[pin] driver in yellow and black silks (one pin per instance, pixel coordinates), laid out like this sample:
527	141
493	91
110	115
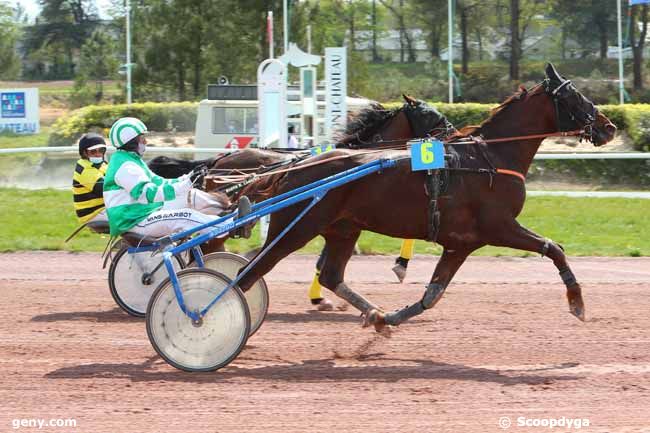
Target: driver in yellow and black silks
88	179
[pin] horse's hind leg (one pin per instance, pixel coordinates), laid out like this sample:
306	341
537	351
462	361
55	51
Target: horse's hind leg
448	265
340	241
521	238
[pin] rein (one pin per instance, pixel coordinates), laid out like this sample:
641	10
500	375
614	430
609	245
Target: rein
249	178
242	180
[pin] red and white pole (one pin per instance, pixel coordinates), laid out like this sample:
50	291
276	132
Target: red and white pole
269	32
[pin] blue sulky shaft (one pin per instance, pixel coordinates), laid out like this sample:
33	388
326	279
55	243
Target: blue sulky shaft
314	191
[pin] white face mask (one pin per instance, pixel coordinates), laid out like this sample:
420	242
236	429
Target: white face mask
141	148
96	159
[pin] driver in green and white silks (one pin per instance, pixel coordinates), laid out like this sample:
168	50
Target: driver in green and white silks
141	202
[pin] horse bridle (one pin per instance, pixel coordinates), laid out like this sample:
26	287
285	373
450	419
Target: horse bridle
581	118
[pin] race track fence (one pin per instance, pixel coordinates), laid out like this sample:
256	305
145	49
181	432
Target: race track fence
68	150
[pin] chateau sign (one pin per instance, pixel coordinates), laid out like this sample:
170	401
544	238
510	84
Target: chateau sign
336	89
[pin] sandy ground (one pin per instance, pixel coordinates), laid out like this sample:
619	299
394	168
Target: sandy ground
500	344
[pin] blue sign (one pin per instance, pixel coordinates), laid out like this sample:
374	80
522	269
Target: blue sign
322	149
427	155
639	2
12	105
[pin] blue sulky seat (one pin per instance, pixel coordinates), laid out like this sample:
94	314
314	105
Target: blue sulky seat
133	239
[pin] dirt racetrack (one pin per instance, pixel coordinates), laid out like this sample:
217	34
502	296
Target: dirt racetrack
500	344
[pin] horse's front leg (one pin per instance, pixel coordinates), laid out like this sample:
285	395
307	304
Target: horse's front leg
521	238
448	265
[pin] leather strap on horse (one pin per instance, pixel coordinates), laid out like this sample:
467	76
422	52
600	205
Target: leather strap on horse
432	188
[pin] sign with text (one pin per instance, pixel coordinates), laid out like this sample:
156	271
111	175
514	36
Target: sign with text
19	111
336	89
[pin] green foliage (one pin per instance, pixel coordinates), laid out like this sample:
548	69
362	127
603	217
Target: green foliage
461	115
9	32
62	27
637	118
611	174
632	118
97	62
157	117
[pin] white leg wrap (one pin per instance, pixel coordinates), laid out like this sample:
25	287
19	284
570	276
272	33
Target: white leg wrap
354	299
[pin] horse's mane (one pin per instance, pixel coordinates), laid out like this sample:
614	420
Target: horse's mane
476	129
364	122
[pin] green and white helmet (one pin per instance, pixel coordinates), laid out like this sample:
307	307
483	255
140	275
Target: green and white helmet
125	130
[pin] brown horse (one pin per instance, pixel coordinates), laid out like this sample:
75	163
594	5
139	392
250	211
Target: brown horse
483	198
370	128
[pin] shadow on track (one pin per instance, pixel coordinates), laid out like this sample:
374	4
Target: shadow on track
314	371
114	315
319	316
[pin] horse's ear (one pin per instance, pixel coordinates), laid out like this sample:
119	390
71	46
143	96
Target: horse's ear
412	102
552	74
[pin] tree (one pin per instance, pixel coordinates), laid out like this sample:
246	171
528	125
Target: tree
522	13
466	10
60	30
432	15
375	55
638	16
515	40
97	61
579	19
399	12
9	32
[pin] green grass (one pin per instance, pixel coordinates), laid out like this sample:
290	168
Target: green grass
9	140
41	220
16	163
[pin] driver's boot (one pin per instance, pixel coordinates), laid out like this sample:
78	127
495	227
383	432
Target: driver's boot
243	208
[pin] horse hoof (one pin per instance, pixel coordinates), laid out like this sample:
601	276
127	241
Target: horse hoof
576	305
325	305
579	312
386	331
400	272
376	318
370	317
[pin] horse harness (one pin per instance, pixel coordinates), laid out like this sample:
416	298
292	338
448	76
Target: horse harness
233	188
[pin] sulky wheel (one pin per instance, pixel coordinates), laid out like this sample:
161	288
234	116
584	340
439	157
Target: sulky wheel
211	343
132	279
257	297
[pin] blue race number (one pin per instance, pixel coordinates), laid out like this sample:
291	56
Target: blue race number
427	155
322	149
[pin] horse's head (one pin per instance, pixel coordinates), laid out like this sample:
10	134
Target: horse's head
573	111
425	120
376	127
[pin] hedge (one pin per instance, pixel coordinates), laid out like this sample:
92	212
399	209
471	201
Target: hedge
181	116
